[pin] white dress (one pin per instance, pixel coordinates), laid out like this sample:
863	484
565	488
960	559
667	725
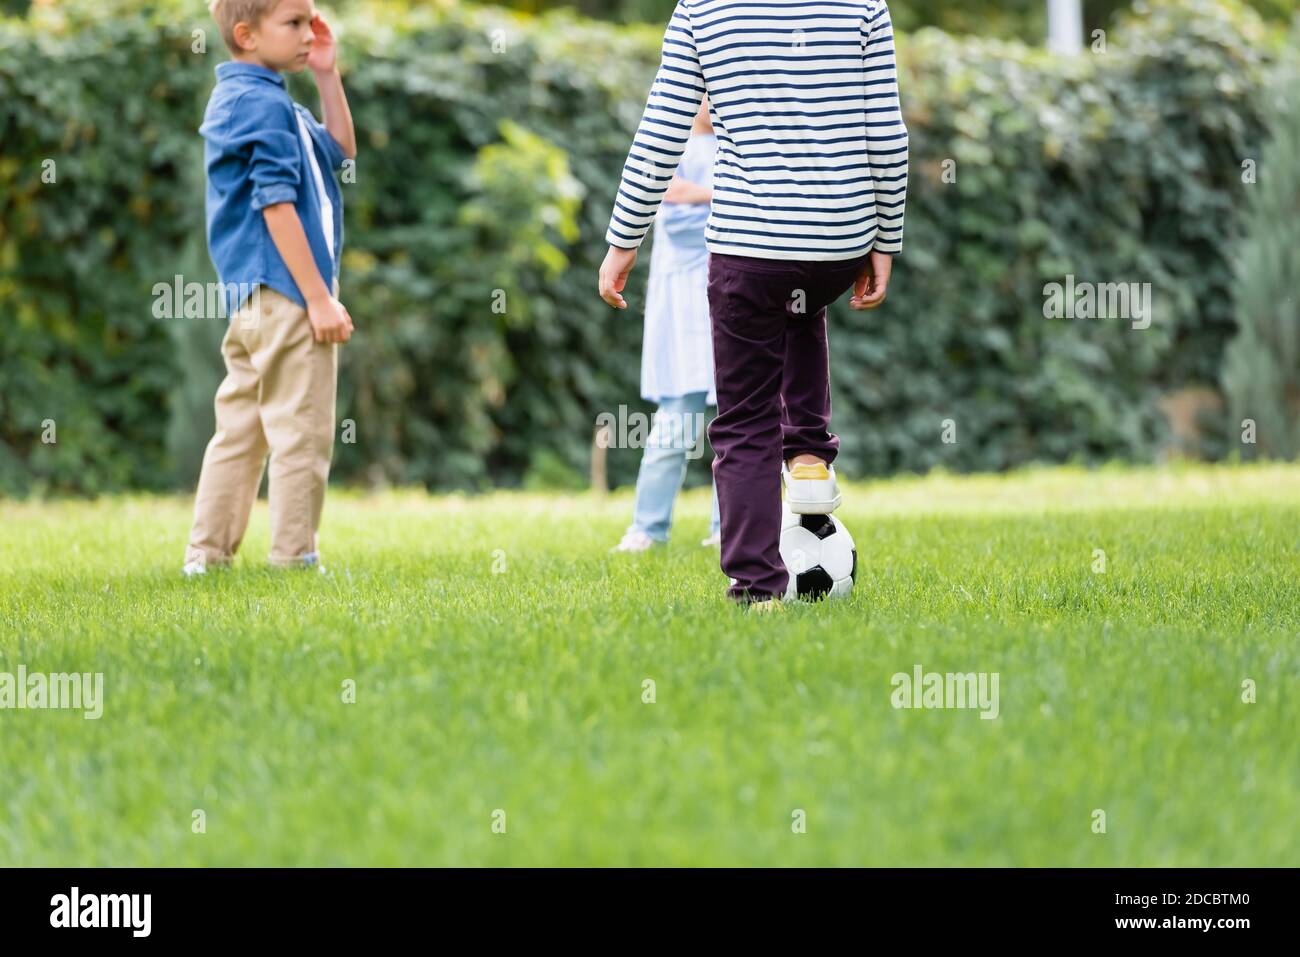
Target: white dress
677	351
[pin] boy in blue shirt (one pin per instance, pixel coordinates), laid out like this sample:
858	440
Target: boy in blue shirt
274	223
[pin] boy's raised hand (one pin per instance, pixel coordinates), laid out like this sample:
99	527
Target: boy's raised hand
870	286
613	275
323	53
330	320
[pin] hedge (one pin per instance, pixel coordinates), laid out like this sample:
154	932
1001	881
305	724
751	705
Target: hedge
490	147
1261	367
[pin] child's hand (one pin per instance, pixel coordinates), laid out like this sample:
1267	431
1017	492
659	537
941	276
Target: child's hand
330	321
323	53
613	275
870	286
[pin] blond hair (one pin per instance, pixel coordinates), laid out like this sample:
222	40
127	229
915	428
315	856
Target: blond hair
229	12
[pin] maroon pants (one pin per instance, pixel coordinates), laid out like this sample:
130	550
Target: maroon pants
772	373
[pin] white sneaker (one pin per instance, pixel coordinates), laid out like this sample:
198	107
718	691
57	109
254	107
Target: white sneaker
811	489
195	567
635	541
713	541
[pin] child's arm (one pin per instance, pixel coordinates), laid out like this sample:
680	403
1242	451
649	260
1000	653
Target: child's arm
887	149
656	152
333	101
687	193
661	138
329	320
887	144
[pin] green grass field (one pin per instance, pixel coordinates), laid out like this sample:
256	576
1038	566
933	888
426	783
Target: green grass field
499	654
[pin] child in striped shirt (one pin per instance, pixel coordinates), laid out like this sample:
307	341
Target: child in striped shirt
808	194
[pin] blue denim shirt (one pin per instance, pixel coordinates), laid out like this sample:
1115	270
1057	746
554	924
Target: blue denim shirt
255	157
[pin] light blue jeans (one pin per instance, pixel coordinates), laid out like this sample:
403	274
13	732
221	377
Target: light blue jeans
677	427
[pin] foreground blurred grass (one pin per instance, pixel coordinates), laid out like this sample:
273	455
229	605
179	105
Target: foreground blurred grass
499	653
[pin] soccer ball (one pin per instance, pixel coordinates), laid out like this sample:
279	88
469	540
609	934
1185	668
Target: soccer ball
819	554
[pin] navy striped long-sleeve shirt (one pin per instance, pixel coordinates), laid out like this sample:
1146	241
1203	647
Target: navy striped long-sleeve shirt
812	148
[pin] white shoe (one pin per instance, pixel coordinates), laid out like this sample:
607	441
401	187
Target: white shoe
811	489
635	541
196	567
713	541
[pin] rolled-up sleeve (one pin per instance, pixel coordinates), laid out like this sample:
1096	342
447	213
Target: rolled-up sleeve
336	155
268	131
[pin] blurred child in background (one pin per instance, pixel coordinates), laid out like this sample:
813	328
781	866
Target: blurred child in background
677	351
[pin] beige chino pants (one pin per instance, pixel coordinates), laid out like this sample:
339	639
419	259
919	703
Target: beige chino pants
277	398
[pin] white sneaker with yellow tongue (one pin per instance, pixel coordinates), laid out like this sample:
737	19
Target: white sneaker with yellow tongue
810	488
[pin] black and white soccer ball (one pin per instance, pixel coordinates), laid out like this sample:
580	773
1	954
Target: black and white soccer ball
820	556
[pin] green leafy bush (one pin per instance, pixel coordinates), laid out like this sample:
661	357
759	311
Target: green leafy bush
490	148
98	179
1122	166
1261	371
